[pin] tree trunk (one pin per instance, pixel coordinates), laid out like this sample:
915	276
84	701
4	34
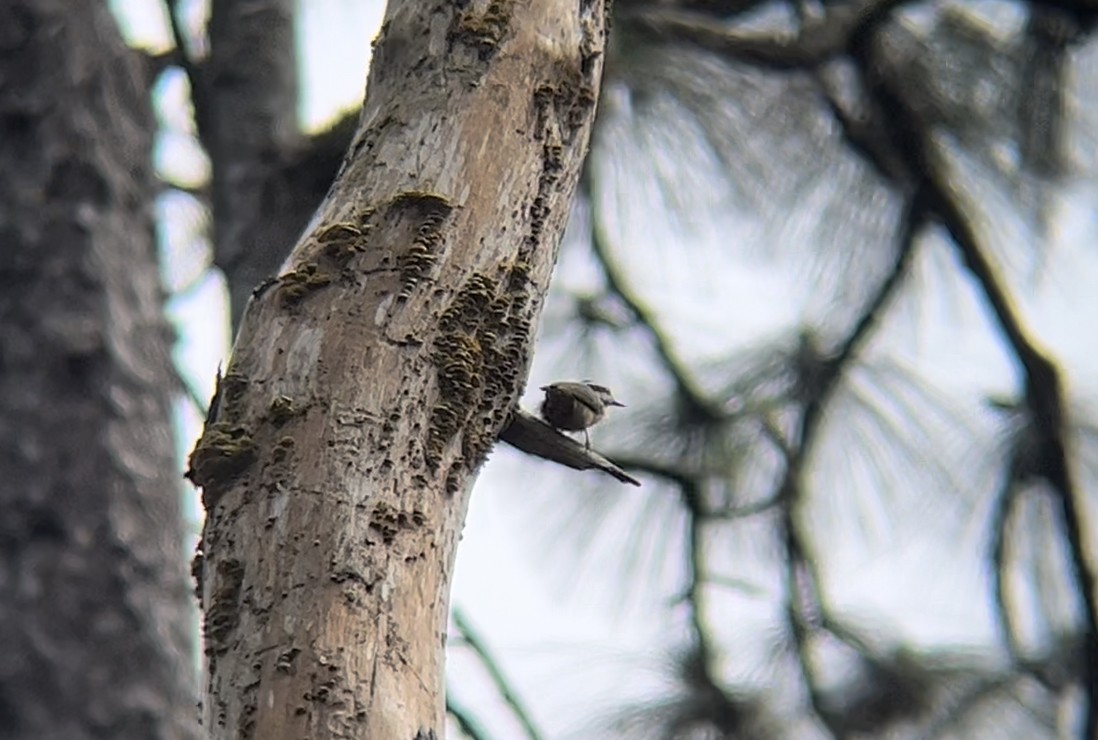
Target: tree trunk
370	379
96	611
246	107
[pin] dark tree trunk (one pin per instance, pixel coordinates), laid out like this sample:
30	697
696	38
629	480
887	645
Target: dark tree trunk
95	606
247	115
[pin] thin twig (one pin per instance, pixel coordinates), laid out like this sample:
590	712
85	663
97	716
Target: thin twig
1000	520
503	686
187	63
720	709
616	284
801	580
468	724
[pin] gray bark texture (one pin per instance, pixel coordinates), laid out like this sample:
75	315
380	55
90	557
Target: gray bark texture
246	109
94	600
370	379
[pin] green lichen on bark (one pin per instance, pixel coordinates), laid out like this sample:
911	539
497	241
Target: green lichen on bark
282	449
551	168
226	448
568	97
281	410
416	262
387	522
222	455
424	201
296	285
340	242
459	361
223	609
484	31
478	356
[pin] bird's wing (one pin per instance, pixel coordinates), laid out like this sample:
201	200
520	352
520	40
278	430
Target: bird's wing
581	393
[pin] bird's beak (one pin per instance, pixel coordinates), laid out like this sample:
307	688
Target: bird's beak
616	403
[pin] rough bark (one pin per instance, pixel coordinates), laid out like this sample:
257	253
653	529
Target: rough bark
95	606
370	379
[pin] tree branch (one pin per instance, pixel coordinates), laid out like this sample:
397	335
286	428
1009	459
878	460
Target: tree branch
474	642
469	726
1000	520
820	379
1043	389
1046	404
533	436
697	404
190	67
814	44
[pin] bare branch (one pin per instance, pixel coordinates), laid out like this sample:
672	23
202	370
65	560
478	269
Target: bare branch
696	402
816	41
1043	387
189	65
1000	520
464	719
530	434
805	606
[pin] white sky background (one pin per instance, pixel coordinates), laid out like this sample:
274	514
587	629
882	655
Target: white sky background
577	644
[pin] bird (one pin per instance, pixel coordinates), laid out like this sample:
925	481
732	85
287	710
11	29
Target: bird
576	406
